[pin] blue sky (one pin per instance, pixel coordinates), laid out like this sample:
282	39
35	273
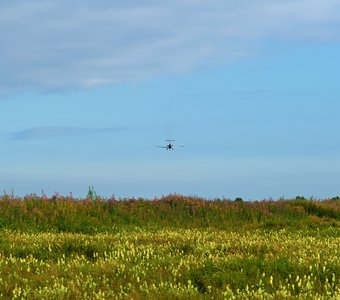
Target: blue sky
251	88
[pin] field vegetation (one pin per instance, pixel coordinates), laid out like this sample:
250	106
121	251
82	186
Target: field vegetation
175	247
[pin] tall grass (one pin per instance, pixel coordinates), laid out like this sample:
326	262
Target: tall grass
174	247
67	214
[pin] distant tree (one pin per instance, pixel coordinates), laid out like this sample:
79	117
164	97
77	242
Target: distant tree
91	194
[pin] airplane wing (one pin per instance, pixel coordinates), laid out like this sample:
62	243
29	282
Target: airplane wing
161	147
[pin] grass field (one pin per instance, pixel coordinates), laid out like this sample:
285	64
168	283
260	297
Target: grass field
175	247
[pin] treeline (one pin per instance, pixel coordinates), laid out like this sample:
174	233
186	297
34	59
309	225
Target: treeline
94	214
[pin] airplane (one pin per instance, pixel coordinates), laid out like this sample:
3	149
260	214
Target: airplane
169	146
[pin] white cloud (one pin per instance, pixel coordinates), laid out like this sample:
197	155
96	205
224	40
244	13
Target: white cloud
49	44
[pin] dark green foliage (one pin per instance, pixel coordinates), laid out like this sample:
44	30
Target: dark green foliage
207	276
184	249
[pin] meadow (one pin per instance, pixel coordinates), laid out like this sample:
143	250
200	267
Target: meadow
175	247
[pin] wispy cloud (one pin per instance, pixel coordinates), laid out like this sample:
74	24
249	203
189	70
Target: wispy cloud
59	44
43	132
